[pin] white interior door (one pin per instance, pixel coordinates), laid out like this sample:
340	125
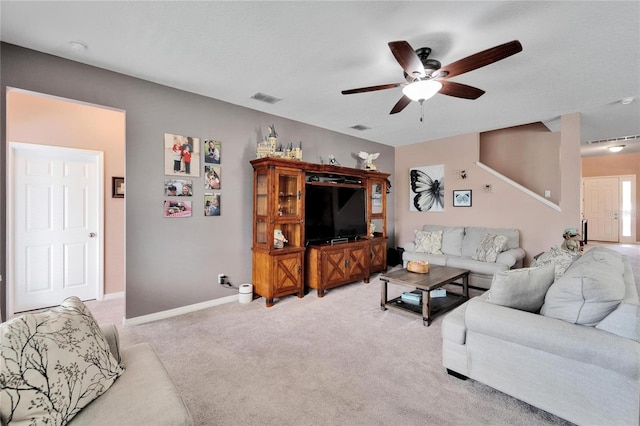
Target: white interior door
56	220
601	208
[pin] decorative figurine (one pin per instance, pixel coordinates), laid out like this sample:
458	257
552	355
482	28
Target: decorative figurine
368	159
571	240
269	147
372	229
279	239
333	161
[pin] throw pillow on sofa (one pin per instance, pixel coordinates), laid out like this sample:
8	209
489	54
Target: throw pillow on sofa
489	248
558	257
54	363
428	242
522	289
589	290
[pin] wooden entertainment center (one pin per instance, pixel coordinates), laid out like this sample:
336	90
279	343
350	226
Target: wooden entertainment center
279	190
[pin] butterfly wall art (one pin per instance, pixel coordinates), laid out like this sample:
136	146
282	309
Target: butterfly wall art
426	191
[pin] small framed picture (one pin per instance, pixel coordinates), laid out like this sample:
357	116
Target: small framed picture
173	208
212	178
212	204
178	187
462	198
117	187
212	150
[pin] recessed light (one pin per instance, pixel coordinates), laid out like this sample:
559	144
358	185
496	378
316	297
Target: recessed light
626	101
76	46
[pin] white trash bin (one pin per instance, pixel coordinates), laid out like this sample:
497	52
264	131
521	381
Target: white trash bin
246	293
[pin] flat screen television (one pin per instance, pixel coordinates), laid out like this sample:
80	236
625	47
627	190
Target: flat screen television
334	212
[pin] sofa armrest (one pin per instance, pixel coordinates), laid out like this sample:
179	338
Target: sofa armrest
110	333
511	257
580	343
410	246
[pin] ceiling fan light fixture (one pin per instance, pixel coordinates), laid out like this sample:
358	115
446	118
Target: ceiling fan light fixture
616	148
422	90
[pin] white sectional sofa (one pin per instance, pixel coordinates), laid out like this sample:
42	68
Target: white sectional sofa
577	356
459	247
60	367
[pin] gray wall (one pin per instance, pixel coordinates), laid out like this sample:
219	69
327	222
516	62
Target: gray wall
172	263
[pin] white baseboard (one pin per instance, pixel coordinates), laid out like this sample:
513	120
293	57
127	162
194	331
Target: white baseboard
113	296
179	311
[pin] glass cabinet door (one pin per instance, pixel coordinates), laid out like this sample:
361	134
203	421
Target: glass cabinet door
289	193
288	216
262	208
376	198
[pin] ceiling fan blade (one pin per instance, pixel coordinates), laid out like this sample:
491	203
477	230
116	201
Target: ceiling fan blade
407	58
400	105
459	90
482	59
371	88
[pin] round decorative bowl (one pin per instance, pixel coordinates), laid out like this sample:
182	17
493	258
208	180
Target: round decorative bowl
418	266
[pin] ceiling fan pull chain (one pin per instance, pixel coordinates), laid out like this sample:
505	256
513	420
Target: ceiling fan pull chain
422	110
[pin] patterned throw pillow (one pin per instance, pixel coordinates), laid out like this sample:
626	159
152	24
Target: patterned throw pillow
558	257
490	247
54	363
428	242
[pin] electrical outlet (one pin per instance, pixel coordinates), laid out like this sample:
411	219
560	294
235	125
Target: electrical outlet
221	278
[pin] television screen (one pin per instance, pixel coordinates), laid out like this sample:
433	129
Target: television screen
334	212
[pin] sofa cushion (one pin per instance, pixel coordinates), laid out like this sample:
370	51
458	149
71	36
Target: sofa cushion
474	234
434	259
489	248
624	321
144	395
428	242
589	290
558	257
54	363
452	237
522	289
475	266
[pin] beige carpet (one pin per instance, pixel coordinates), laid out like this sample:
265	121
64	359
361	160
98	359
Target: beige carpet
338	360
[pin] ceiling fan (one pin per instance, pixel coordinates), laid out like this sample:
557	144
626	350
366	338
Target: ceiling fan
426	77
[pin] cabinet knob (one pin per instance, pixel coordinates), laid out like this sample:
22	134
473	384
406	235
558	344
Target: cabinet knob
299	195
299	269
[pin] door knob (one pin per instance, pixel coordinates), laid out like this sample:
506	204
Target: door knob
92	234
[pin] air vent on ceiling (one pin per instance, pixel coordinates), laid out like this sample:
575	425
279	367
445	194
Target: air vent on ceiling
360	127
265	98
622	139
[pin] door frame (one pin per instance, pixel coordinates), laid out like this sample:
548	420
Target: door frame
12	148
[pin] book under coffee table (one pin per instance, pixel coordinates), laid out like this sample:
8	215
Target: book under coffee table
428	307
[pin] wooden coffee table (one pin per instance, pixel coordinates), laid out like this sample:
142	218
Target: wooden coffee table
437	277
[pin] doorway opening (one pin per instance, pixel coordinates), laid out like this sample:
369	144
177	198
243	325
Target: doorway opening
40	119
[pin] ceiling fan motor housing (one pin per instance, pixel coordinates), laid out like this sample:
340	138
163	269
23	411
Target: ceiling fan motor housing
430	65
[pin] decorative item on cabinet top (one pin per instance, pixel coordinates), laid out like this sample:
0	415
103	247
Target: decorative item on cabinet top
269	147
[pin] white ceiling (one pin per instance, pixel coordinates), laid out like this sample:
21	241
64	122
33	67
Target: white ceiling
577	57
